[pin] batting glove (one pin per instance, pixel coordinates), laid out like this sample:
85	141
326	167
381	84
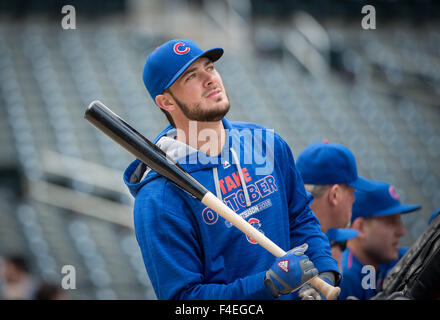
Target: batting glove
309	292
290	272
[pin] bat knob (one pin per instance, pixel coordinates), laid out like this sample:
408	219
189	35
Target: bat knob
329	292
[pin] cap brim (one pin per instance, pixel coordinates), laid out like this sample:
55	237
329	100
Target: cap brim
212	54
403	208
362	184
341	234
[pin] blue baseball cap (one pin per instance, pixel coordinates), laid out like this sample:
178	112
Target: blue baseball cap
339	234
167	62
324	163
382	201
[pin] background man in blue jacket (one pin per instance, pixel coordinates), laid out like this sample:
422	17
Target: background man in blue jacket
330	174
374	252
189	251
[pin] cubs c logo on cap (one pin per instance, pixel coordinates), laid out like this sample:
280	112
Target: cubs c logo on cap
393	193
177	49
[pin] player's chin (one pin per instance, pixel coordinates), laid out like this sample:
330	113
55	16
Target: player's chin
214	113
217	99
394	253
219	104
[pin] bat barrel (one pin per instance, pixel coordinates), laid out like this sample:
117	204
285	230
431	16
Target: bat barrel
135	143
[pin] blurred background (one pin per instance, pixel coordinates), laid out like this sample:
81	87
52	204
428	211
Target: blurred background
307	69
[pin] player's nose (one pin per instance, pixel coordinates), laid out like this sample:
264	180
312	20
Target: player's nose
401	230
208	79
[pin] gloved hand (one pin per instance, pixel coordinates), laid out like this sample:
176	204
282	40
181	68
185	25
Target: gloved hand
290	271
309	292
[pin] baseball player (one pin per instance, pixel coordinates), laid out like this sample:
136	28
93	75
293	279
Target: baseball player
373	253
188	250
330	174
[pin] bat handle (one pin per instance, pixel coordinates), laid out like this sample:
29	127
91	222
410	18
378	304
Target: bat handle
329	292
211	201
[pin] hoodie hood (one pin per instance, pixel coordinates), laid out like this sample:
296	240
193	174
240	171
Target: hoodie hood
138	174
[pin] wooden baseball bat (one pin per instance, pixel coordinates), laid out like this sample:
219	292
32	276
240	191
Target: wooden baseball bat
135	143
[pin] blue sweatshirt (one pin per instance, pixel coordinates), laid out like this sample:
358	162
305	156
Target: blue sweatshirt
189	251
357	280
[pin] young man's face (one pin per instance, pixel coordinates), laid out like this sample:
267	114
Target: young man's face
382	236
199	92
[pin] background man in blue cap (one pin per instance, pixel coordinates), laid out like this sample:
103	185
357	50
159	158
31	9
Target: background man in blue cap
191	253
371	255
330	174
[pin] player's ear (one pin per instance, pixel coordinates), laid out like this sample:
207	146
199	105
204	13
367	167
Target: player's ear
333	194
165	101
360	225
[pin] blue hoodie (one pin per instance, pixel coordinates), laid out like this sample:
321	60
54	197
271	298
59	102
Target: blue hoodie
192	253
356	276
